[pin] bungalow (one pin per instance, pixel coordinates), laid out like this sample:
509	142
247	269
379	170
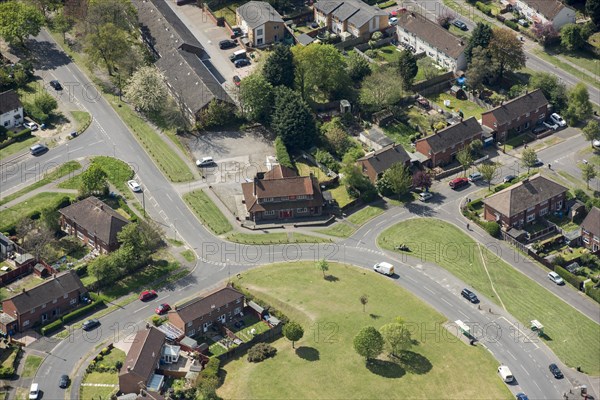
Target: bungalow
375	163
94	223
281	194
42	303
350	18
442	147
143	359
590	230
544	11
430	38
516	115
260	21
525	201
11	109
198	315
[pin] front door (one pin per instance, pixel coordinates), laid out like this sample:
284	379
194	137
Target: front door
285	214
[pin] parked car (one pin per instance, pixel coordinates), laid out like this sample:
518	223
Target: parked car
148	295
554	277
73	134
236	80
205	161
509	178
424	196
522	396
243	62
540	129
384	268
34	391
63	381
163	308
458	183
551	125
38	149
557	119
56	85
227	44
31	125
467	294
556	371
90	324
238	55
460	25
523	22
475	176
237	31
134	186
505	374
314	25
393	21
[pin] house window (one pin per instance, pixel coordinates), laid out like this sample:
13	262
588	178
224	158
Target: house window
44	317
79	235
268	199
559	205
91	241
301	197
66	296
301	210
26	323
238	301
495	124
237	311
544	211
189	324
586	240
192	332
259	32
54	301
270	212
527	115
530	209
542	116
73	301
526	125
33	310
530	217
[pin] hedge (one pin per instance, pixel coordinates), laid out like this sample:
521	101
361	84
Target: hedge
281	152
386	4
81	311
512	25
19	136
569	277
484	8
211	369
492	228
52	326
594	293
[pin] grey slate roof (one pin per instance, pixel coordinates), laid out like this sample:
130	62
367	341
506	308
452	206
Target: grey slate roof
529	102
548	8
525	194
345	11
9	101
305	39
384	158
356	12
327	6
257	13
96	218
143	353
457	133
591	223
46	292
432	33
204	305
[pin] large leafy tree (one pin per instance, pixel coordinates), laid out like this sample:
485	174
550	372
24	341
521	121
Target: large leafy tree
592	8
592	131
119	13
108	45
44	6
407	68
545	32
571	37
358	67
481	69
422	179
579	106
553	89
489	171
588	172
293	120
293	332
506	49
19	21
399	178
481	36
146	90
256	98
529	158
279	67
397	337
380	90
62	23
93	180
368	343
464	158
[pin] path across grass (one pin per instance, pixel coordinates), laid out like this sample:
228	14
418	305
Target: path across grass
573	336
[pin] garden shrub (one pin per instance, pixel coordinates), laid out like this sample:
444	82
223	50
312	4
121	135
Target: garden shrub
211	369
492	228
260	352
484	8
118	364
52	326
281	152
327	160
594	293
81	311
569	277
476	204
512	25
6	372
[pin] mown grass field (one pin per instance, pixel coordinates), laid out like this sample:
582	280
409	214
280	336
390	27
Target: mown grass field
9	216
207	212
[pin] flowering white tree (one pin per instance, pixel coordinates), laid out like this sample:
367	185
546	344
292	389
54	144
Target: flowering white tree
146	90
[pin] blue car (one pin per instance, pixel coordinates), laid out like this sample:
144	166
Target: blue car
522	396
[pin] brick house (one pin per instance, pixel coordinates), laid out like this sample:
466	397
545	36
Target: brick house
350	18
442	147
375	163
198	315
260	21
525	201
280	194
94	223
543	11
142	361
517	115
590	230
42	303
11	109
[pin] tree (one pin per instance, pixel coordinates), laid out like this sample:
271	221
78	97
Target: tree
217	113
545	32
108	45
44	5
396	337
480	37
338	140
553	90
592	9
292	119
293	332
380	90
62	23
407	68
475	146
592	131
323	265
507	50
279	67
481	69
368	343
465	158
49	217
516	91
119	13
146	90
19	21
422	179
588	172
102	268
399	178
529	158
374	38
93	180
489	171
429	68
364	299
35	237
357	67
579	108
444	19
256	98
571	38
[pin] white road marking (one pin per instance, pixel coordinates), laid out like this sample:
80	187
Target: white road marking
140	309
169	197
511	354
446	301
463	314
410	279
538	386
382	222
429	290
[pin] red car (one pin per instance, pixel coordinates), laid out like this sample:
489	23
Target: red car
147	295
458	182
163	308
237	80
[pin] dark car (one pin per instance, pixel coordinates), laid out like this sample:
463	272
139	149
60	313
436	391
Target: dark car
241	62
236	32
556	371
90	324
237	80
147	295
163	308
460	25
539	129
227	44
63	382
509	178
467	294
56	85
522	396
538	163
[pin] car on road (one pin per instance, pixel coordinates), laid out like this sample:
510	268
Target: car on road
134	186
557	119
38	149
236	80
467	294
538	163
424	196
475	176
56	85
31	125
163	308
73	134
90	324
509	178
63	381
243	62
34	391
148	295
227	44
551	125
458	183
521	396
540	129
384	268
205	161
556	371
554	277
460	25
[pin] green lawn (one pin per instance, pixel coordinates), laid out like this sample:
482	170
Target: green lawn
568	68
400	133
207	212
517	141
468	108
99	392
117	172
304	169
188	255
31	366
416	118
465	35
324	364
10	216
62	170
18	147
339	229
273	238
227	11
460	255
388	53
340	195
342	229
83	120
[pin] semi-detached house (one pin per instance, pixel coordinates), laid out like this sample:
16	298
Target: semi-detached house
260	21
11	109
590	230
350	18
544	11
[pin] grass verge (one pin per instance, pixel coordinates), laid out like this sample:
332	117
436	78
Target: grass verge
207	212
83	120
117	173
274	238
359	218
18	147
32	363
188	255
567	67
31	206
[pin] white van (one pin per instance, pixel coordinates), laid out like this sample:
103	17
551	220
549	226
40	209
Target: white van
34	391
505	374
238	55
384	268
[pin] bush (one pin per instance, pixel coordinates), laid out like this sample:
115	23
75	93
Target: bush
512	25
118	364
500	18
260	352
52	326
21	135
474	205
156	320
281	152
386	4
594	293
484	8
327	160
6	372
211	369
492	228
569	277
